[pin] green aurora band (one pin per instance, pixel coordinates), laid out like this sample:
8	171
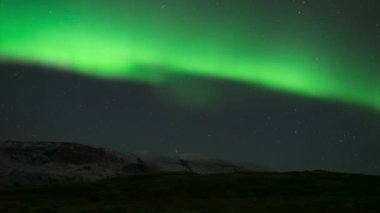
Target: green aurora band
152	42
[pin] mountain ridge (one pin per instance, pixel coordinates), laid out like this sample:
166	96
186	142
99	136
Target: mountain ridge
51	162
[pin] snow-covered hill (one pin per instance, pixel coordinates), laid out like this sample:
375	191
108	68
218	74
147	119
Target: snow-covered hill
49	162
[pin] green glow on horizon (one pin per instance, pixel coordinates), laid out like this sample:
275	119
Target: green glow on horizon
144	41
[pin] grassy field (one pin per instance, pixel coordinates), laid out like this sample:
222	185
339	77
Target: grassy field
179	192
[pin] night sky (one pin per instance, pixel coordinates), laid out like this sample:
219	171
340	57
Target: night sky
290	84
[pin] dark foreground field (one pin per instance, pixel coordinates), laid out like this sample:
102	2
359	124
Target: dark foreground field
246	192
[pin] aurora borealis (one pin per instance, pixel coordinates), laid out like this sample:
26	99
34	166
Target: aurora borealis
156	41
289	84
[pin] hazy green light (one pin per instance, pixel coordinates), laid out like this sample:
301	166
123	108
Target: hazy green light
148	41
